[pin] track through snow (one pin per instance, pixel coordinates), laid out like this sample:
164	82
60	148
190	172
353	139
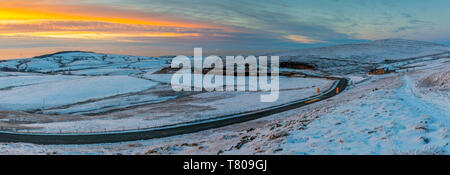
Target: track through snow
418	105
397	121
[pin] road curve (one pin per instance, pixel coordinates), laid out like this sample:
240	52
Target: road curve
168	130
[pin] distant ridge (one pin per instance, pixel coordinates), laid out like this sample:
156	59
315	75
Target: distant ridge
373	51
62	52
346	58
399	40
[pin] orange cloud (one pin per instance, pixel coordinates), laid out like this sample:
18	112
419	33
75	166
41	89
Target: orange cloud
98	35
55	19
55	10
302	39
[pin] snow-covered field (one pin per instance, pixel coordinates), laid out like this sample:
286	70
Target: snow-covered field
397	121
362	57
405	112
117	92
7	82
63	92
208	104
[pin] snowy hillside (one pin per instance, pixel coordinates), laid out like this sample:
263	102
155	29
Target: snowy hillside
121	91
342	59
50	83
405	111
72	61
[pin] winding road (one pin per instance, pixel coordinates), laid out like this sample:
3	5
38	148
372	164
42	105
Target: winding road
169	130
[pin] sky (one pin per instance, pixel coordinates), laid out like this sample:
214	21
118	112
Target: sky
172	27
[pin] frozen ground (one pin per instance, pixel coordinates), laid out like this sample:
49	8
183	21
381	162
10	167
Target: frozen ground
50	93
201	106
399	113
362	57
384	122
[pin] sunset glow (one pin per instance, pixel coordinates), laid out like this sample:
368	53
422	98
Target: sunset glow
18	20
